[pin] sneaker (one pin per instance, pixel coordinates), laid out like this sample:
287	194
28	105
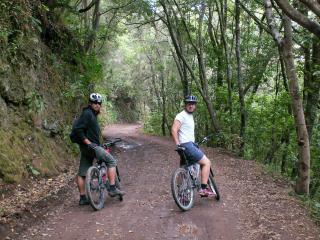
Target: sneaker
116	192
206	192
83	201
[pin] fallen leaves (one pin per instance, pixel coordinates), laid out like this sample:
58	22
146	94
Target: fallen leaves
22	197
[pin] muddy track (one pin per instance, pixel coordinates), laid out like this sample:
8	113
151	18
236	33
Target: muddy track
253	205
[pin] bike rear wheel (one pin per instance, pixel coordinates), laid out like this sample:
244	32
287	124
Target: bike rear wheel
181	188
95	188
213	186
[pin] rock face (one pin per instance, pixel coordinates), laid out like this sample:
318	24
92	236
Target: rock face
3	113
33	110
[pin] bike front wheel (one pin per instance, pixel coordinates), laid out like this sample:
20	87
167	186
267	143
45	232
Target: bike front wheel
213	186
95	188
182	190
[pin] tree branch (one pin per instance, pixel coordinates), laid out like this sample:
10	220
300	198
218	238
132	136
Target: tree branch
93	2
271	22
117	8
177	47
143	23
254	17
298	17
313	6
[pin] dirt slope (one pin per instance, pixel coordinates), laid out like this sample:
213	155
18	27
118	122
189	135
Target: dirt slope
253	205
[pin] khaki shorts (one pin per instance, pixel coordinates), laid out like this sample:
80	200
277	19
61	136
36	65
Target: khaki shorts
103	156
88	155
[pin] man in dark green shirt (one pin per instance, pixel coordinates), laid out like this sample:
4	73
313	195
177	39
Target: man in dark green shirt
88	132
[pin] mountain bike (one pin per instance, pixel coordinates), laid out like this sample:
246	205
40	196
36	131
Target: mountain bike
97	182
186	179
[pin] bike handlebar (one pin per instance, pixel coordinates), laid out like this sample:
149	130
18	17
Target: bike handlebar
205	139
110	143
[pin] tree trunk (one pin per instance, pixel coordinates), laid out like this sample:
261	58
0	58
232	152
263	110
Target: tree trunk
164	100
182	73
312	86
240	84
285	47
300	18
202	85
222	12
303	181
95	24
274	144
86	15
286	141
203	75
186	87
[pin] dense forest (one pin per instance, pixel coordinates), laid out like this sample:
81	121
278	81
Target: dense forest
254	65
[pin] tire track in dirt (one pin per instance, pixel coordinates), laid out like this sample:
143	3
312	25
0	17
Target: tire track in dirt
148	210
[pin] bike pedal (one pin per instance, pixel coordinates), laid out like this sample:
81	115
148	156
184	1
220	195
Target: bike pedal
203	196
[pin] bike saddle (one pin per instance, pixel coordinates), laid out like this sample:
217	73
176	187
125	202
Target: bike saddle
180	149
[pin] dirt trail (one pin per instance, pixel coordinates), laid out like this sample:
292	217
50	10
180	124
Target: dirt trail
253	205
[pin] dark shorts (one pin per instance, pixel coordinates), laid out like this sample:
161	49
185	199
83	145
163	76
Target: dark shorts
88	155
86	160
192	152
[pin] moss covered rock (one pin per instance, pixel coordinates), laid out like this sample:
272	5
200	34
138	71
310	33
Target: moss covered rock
33	107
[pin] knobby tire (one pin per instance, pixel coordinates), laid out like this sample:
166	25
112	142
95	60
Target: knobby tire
95	189
213	186
182	190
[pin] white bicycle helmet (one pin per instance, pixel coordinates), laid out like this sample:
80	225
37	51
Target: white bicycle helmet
95	98
190	99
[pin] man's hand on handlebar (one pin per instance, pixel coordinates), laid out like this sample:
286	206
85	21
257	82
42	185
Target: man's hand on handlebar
92	145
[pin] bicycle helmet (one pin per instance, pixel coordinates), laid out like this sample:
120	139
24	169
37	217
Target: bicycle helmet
190	99
95	98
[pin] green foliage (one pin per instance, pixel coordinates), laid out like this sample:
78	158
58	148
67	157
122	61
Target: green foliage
17	26
35	102
61	79
108	113
152	123
32	170
268	116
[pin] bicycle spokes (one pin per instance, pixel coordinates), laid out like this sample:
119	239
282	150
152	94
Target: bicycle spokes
94	183
95	188
182	189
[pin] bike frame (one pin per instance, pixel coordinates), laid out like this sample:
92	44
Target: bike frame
98	174
186	164
107	146
186	179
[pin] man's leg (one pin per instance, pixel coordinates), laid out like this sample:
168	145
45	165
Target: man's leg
111	163
82	190
86	159
81	185
205	169
112	175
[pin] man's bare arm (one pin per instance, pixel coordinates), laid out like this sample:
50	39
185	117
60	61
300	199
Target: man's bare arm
174	131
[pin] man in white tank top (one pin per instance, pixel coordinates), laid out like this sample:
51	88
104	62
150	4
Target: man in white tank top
183	135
